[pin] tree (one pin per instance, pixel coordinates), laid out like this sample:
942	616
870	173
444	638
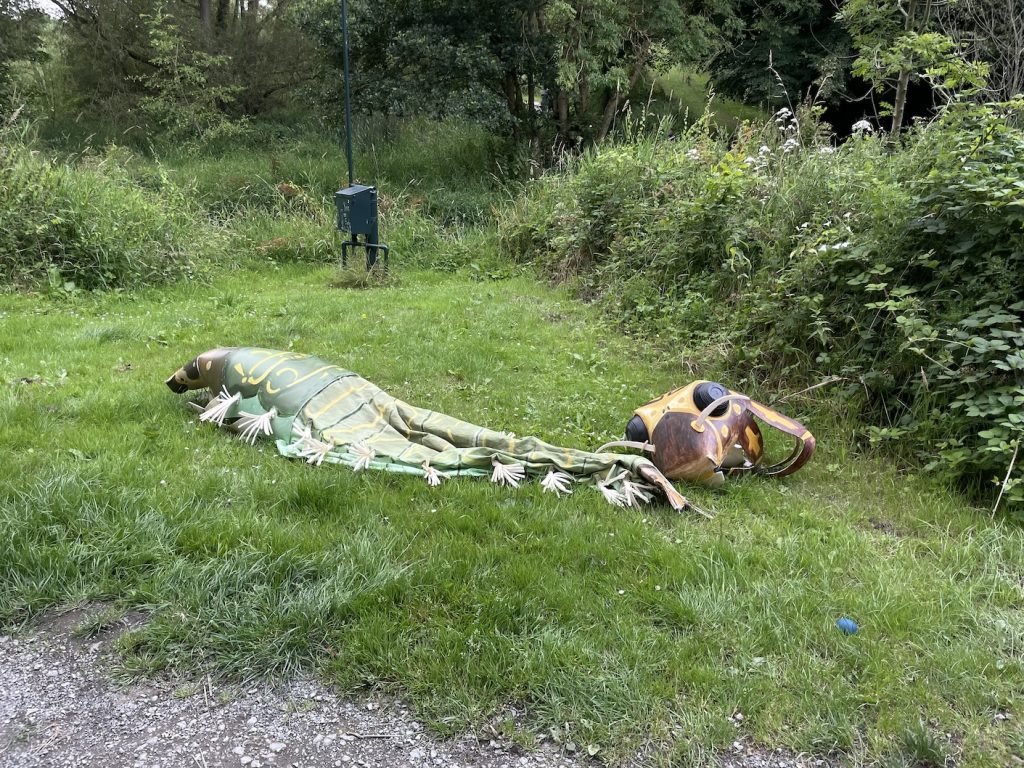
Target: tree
801	40
181	98
519	66
266	55
20	29
991	31
896	43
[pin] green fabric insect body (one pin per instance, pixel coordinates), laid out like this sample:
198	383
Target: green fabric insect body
321	413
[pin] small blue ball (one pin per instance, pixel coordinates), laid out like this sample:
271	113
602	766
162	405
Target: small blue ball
847	626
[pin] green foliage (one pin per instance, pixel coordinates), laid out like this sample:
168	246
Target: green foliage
682	96
181	97
118	53
895	45
898	272
799	39
532	69
84	224
21	27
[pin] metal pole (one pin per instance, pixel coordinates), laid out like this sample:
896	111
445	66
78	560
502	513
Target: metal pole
348	97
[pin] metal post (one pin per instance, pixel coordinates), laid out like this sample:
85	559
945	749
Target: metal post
348	96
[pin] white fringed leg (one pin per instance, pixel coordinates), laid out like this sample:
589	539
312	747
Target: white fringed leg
250	426
635	494
311	449
611	495
507	474
557	483
364	455
430	475
220	407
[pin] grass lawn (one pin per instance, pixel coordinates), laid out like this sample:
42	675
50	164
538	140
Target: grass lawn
683	95
617	628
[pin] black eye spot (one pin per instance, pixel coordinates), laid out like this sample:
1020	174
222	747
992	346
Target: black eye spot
192	369
705	394
636	430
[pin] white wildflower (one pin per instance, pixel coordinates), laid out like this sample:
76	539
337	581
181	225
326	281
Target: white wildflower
827	150
764	149
790	144
556	483
693	154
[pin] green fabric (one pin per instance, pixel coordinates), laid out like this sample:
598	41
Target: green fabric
346	410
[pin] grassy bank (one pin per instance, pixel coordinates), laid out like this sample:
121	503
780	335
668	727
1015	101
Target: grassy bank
617	629
682	95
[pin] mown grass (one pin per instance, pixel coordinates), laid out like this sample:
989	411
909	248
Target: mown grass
683	96
620	629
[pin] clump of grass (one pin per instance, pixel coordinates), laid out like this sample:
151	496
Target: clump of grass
922	748
99	621
354	274
84	224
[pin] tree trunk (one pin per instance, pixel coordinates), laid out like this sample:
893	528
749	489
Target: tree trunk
204	14
223	9
562	109
899	102
513	93
616	100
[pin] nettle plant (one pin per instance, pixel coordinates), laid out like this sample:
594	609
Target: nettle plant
987	386
970	334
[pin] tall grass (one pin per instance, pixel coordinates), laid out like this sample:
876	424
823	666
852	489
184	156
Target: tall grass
83	223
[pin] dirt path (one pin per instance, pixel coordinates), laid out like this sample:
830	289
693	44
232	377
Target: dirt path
59	707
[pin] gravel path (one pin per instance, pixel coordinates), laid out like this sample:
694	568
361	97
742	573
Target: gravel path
59	708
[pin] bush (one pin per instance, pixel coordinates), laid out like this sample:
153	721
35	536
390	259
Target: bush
899	269
84	224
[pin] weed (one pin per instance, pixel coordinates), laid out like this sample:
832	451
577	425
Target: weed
99	622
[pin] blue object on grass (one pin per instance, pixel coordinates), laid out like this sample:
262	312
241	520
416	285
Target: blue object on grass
847	626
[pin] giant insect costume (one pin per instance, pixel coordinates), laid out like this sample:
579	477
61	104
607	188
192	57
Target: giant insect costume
322	413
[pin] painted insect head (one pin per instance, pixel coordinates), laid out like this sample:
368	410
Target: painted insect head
206	370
